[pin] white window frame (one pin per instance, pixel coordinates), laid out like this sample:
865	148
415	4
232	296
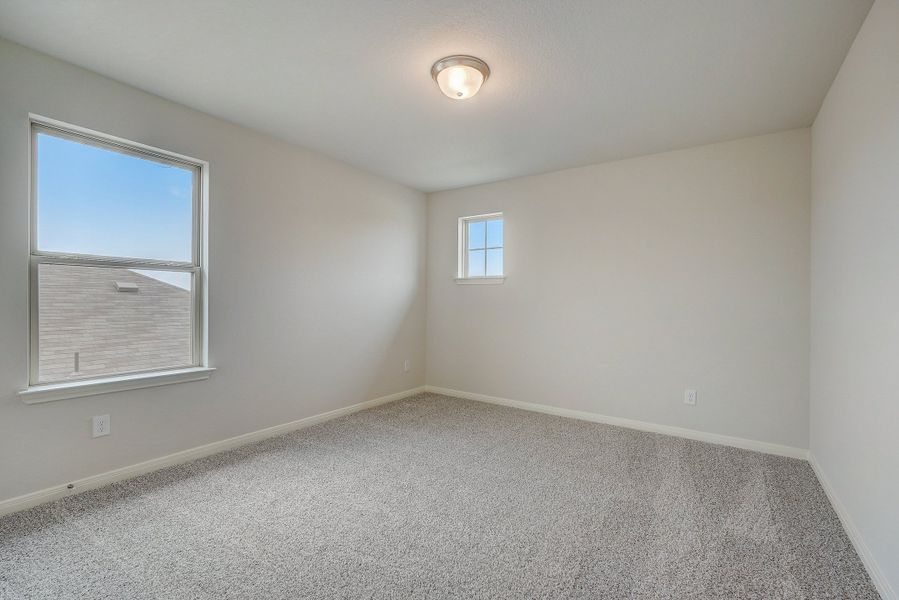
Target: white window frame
462	275
197	267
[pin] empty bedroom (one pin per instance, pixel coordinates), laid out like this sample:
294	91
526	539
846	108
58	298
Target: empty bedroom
407	299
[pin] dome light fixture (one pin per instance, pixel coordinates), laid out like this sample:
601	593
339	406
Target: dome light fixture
459	76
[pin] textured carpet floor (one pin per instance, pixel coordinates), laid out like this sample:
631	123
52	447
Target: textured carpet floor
435	497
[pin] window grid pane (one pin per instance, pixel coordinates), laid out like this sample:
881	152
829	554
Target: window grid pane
476	263
477	235
494	266
494	233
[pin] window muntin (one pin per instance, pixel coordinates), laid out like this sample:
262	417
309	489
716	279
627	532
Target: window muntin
108	216
481	246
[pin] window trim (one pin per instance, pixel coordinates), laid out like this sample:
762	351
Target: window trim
462	263
104	385
198	267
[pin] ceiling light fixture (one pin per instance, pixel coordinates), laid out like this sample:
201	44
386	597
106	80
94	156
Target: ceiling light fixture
459	76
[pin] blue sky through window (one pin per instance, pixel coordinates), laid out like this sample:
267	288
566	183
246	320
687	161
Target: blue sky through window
91	200
485	252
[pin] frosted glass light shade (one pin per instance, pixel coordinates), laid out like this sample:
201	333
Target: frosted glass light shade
460	77
460	82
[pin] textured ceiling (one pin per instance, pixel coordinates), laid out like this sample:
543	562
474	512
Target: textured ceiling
573	82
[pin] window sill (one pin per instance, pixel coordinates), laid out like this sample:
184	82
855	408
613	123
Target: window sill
480	280
76	389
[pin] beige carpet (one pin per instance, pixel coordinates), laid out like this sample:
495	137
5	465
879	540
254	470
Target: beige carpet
435	497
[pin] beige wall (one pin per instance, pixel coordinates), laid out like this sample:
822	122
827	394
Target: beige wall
317	284
633	280
855	288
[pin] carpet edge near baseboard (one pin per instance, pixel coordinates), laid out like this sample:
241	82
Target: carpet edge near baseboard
691	434
861	548
31	499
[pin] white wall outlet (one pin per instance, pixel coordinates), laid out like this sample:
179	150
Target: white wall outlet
407	364
690	397
101	425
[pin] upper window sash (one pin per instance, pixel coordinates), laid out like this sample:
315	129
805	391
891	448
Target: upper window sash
43	125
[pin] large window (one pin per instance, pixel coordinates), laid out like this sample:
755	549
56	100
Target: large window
481	247
117	281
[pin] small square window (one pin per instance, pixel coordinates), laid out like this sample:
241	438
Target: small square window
481	247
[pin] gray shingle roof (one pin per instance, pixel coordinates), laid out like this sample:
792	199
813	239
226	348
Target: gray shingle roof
113	331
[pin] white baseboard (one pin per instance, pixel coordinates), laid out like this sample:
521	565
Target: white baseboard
18	503
691	434
861	548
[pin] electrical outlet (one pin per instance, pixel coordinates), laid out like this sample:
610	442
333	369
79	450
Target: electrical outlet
407	364
101	425
690	397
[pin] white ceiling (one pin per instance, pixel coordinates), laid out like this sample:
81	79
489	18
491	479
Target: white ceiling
574	81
